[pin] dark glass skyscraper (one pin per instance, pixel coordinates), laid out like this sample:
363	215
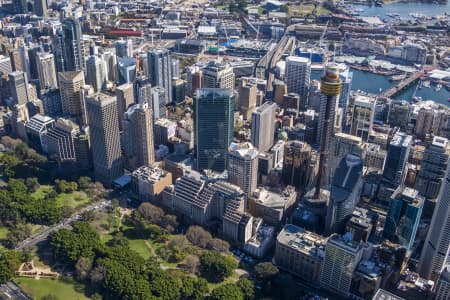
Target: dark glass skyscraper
160	71
397	157
213	127
68	47
402	220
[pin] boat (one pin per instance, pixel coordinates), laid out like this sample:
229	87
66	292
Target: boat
438	87
448	87
426	84
397	77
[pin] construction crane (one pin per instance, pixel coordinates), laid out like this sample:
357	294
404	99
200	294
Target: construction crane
253	27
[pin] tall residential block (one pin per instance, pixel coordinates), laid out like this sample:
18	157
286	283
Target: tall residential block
218	75
263	126
297	78
137	135
105	138
243	166
214	126
18	87
46	71
70	86
432	171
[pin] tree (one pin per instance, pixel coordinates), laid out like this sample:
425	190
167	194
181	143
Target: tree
200	289
247	287
61	186
84	182
169	222
219	245
191	264
32	184
18	234
266	271
164	286
83	267
215	267
198	236
150	213
73	186
187	287
9	263
227	291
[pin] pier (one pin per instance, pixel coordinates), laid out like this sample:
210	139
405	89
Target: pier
402	84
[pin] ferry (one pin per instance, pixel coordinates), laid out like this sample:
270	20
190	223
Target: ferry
397	77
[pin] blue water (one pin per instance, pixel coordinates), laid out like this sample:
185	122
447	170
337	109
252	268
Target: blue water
405	8
372	83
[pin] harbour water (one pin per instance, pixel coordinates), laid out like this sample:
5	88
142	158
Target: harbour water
372	83
405	8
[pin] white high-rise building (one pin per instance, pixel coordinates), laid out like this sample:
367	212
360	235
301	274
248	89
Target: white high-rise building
342	256
435	249
46	71
218	75
297	78
96	73
263	126
243	166
443	285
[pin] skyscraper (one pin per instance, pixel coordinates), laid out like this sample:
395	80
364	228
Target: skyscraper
96	73
125	98
124	48
403	216
20	6
345	191
105	138
297	169
330	87
71	84
437	242
18	87
40	8
243	166
263	126
342	256
160	71
46	71
362	116
218	75
443	284
214	125
137	127
126	70
246	101
72	46
297	78
432	171
396	159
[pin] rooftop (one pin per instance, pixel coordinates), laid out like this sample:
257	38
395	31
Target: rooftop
149	174
243	150
385	295
302	240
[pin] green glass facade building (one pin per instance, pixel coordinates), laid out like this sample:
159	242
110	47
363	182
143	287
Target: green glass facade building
214	126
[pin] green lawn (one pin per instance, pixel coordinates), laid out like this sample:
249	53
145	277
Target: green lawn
141	248
43	287
74	199
3	232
